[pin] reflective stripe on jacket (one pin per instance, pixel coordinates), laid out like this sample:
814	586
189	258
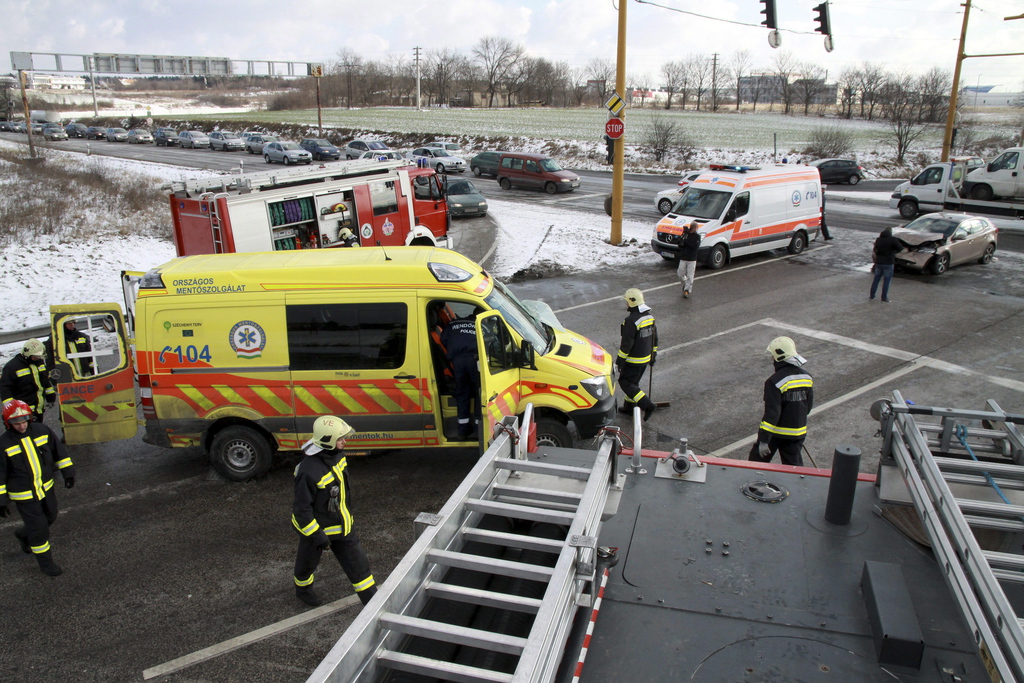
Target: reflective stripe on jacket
26	381
639	336
27	462
320	506
788	399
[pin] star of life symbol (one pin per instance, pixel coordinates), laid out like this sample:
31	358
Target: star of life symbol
247	339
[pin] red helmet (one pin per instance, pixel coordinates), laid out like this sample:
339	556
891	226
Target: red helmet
15	408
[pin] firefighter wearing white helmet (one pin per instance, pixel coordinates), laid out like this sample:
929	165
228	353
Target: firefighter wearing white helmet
638	349
788	399
320	512
25	378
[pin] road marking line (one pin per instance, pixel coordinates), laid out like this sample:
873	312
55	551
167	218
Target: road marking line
699	277
248	638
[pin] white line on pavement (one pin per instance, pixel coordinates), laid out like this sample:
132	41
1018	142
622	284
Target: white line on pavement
248	638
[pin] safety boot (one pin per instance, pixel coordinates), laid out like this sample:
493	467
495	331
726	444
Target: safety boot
365	595
306	595
47	565
23	540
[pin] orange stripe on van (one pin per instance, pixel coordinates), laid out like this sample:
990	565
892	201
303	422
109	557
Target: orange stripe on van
778	180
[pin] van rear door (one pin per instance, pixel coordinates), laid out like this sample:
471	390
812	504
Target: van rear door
96	386
500	388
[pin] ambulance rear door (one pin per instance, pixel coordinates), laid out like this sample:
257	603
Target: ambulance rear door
500	361
95	387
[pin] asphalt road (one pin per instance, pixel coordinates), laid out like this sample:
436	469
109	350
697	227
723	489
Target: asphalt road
162	559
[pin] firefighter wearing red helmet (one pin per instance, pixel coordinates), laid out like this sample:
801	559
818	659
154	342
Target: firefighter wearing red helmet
25	378
29	454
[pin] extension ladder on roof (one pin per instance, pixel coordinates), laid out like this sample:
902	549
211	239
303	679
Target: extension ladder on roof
409	626
957	492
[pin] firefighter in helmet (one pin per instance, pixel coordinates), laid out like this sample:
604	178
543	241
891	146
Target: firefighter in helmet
637	350
30	452
76	341
25	378
788	399
321	515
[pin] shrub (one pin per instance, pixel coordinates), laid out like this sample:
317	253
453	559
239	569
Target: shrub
830	141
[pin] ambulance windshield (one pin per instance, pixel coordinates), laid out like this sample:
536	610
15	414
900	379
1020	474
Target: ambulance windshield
701	203
516	315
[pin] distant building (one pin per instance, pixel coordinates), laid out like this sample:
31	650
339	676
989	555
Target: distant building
40	81
983	96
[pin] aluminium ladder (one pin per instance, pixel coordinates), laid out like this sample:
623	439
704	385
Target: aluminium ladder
954	494
503	485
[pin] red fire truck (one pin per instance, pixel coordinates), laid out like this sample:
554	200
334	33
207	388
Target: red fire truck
382	203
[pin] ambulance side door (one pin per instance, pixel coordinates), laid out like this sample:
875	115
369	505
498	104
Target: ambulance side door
500	388
360	359
95	387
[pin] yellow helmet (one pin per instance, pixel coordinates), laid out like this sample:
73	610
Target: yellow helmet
327	430
781	348
33	347
633	296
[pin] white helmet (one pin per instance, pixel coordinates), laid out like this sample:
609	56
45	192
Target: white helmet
33	347
327	430
782	348
633	297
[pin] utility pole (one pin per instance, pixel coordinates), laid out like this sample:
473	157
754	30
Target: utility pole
618	170
28	119
714	81
416	51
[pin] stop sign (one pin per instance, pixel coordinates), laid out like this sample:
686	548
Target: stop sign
614	128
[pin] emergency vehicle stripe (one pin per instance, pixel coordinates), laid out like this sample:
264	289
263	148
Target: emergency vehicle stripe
382	399
40	549
302	394
364	584
350	404
230	394
784	431
197	397
411	392
307	530
307	582
268	395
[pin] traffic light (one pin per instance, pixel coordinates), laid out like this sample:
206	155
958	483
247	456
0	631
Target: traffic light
824	27
769	14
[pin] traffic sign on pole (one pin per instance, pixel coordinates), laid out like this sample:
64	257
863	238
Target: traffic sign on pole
614	128
615	104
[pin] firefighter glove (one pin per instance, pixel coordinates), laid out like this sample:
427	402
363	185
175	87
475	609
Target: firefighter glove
69	482
4	511
324	544
763	450
654	357
620	364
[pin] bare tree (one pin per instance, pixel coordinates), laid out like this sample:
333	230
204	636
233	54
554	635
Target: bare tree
443	68
847	86
518	78
497	57
346	66
901	108
719	74
700	74
602	73
810	84
642	83
549	83
661	135
785	65
934	87
872	77
830	141
672	74
577	83
739	64
759	85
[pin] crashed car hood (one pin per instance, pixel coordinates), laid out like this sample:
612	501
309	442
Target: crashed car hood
913	238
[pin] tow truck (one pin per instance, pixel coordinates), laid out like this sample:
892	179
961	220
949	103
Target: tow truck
625	564
947	186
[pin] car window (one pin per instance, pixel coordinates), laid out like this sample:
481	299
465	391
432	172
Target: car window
532	166
461	187
375	145
933	224
1006	161
288	145
550	165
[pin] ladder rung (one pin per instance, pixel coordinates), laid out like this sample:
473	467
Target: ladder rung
546	495
460	673
1008	575
535	514
568	471
519	570
1006	560
1005	469
475	596
994	523
999	509
450	633
545	545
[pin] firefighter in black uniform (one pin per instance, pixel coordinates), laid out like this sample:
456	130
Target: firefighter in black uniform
77	342
459	341
638	349
25	378
788	399
29	452
321	515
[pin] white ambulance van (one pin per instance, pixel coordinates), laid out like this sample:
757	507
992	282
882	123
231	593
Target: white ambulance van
744	210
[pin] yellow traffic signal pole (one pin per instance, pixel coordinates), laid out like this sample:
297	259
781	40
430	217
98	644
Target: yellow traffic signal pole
618	168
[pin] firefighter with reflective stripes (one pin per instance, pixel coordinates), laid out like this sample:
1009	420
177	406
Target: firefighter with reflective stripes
29	453
788	399
77	342
320	513
25	378
637	350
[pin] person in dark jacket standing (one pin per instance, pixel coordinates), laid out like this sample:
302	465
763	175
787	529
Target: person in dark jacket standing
25	378
77	342
885	250
637	350
29	453
788	399
321	515
688	258
459	341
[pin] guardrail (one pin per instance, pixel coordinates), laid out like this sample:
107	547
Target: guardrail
25	334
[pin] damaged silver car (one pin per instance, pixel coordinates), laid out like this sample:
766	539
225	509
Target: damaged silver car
936	241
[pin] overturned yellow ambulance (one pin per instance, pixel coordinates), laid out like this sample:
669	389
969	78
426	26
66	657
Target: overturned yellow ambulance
240	353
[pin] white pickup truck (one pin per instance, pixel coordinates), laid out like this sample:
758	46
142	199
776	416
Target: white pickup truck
963	184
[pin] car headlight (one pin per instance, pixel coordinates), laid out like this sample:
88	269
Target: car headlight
598	386
456	205
566	180
926	250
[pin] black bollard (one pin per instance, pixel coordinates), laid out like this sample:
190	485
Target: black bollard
843	485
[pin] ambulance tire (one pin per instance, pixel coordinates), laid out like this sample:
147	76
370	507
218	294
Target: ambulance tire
797	244
239	453
551	432
717	257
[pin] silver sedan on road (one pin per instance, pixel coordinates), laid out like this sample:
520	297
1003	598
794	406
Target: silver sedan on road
287	153
438	159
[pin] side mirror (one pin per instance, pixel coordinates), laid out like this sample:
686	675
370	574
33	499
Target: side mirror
991	168
730	216
527	356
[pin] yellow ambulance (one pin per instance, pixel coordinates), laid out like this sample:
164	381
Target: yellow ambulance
240	353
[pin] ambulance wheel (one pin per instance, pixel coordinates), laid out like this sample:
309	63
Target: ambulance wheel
664	206
717	257
907	209
551	432
239	453
797	244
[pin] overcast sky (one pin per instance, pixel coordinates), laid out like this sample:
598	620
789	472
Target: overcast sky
901	34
